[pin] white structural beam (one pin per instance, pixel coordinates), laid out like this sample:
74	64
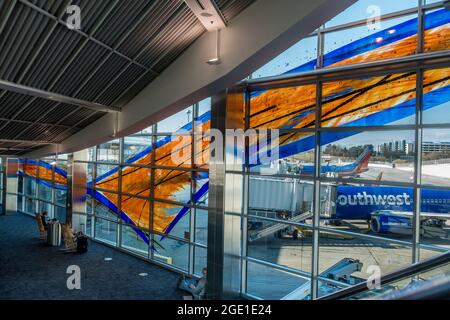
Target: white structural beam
257	35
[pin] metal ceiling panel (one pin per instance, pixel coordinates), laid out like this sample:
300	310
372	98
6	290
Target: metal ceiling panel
231	8
11	102
78	116
158	16
12	129
35	109
58	112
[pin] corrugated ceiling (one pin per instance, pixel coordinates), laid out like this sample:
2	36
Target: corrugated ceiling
121	47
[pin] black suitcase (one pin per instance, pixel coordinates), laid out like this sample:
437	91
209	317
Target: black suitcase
82	244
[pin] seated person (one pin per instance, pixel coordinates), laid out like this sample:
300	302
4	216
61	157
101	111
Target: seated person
43	216
194	287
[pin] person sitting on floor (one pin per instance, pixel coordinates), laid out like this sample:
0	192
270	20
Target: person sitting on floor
194	287
44	220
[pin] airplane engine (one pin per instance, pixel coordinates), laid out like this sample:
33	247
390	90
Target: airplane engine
383	222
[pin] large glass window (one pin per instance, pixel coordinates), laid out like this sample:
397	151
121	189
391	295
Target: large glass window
147	182
362	184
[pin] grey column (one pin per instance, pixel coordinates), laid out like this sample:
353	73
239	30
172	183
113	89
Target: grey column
4	192
69	189
225	201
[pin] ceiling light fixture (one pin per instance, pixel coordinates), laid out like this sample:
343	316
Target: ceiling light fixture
55	162
216	60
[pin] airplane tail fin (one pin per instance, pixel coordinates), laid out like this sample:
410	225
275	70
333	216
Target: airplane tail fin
362	161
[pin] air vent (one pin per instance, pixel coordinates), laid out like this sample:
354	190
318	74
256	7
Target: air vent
207	13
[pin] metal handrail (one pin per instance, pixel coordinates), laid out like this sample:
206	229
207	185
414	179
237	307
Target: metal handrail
390	277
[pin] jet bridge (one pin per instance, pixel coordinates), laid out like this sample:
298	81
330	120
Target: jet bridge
278	227
341	271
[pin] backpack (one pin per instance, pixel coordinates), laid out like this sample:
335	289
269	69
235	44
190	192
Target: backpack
82	243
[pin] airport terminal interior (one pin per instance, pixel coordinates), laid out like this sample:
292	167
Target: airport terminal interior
297	150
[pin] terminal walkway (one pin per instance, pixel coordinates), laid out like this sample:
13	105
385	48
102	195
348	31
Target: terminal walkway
31	270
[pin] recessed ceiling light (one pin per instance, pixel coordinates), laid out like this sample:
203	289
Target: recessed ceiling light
108	259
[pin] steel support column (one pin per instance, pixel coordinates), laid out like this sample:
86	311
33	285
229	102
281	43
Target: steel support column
225	199
4	191
69	188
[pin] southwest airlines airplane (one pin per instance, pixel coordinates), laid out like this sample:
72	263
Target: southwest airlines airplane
390	209
349	170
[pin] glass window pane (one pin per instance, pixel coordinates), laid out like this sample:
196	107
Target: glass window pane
61	197
172	219
109	152
200	260
30	186
136	147
272	284
174	151
106	230
201	188
89	204
369	155
437	30
280	244
285	108
172	185
375	101
201	226
435	218
172	252
60	213
300	57
80	223
107	177
136	181
137	210
357	255
106	205
31	168
204	108
181	120
46	171
384	39
436	157
292	154
280	198
382	211
133	242
45	192
436	96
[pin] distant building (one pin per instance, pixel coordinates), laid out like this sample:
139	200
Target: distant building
409	149
394	146
436	147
